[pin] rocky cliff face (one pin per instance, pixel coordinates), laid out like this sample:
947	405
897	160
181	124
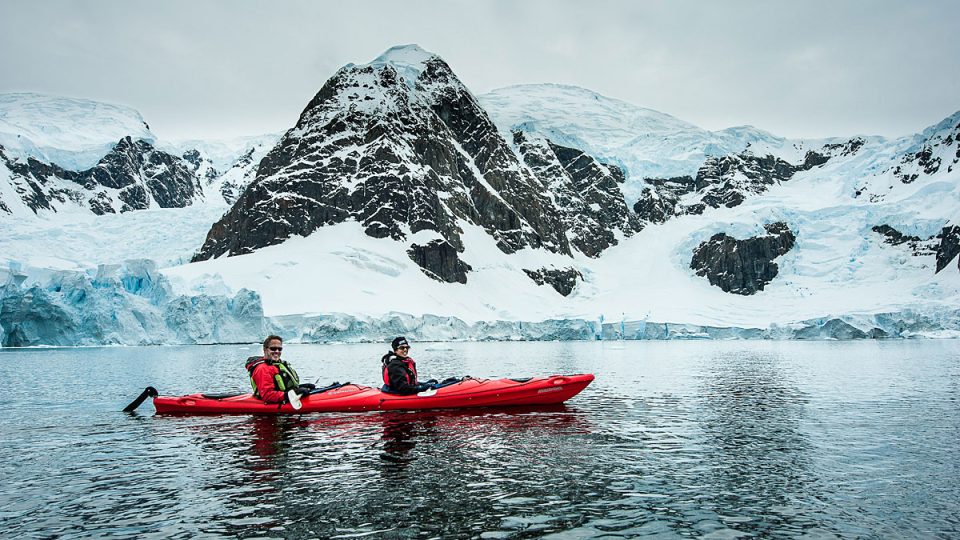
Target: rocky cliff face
742	266
439	260
949	246
945	245
726	182
918	247
237	177
563	280
202	166
939	147
586	191
133	176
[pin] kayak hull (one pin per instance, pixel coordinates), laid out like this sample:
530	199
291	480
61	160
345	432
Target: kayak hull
355	398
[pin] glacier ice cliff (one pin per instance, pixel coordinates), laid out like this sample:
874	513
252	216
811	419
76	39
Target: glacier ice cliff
133	304
339	327
934	322
119	304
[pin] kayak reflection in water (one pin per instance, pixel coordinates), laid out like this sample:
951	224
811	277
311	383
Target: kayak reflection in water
270	435
273	380
398	435
400	370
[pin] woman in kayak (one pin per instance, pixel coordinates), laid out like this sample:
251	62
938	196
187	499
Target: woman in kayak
273	379
400	371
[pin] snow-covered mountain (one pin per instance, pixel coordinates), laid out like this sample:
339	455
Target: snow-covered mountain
71	133
643	142
72	155
132	176
401	146
400	202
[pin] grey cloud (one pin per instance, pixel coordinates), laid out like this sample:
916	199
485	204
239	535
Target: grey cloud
217	68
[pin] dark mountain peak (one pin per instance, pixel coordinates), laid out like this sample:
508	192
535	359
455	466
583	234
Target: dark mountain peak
399	145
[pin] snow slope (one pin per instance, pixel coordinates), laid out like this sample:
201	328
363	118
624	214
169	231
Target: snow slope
836	268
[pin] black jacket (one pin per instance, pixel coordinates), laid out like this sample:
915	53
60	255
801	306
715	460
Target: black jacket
400	374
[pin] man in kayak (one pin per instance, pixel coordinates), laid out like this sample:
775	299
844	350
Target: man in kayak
400	371
272	379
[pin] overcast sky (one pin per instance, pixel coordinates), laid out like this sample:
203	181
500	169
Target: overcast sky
220	68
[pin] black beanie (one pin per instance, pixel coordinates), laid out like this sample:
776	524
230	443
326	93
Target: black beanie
398	341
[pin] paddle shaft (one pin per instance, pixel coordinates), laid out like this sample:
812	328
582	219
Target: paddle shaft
147	392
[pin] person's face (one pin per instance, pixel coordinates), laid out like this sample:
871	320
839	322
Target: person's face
402	351
273	349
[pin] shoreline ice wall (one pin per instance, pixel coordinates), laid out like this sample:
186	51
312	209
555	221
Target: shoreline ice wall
121	304
132	304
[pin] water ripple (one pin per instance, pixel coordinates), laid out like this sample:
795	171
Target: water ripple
713	440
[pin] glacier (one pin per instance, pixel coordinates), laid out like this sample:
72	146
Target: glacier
345	328
134	303
119	304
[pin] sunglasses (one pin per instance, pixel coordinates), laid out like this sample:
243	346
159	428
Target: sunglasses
403	348
276	349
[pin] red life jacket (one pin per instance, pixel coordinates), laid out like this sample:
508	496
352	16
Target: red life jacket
411	370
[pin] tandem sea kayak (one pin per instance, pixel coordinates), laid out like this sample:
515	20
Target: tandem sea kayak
351	397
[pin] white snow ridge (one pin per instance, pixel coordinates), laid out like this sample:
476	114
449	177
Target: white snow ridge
72	133
794	239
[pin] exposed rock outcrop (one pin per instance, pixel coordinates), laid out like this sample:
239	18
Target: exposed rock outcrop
440	261
949	247
918	246
586	191
743	266
940	145
562	280
727	181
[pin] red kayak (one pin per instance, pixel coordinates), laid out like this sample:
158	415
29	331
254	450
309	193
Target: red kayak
351	397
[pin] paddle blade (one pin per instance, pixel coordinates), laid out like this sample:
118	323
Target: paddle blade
294	398
147	392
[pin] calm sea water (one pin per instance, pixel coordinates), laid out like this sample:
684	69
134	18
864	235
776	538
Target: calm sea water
673	439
